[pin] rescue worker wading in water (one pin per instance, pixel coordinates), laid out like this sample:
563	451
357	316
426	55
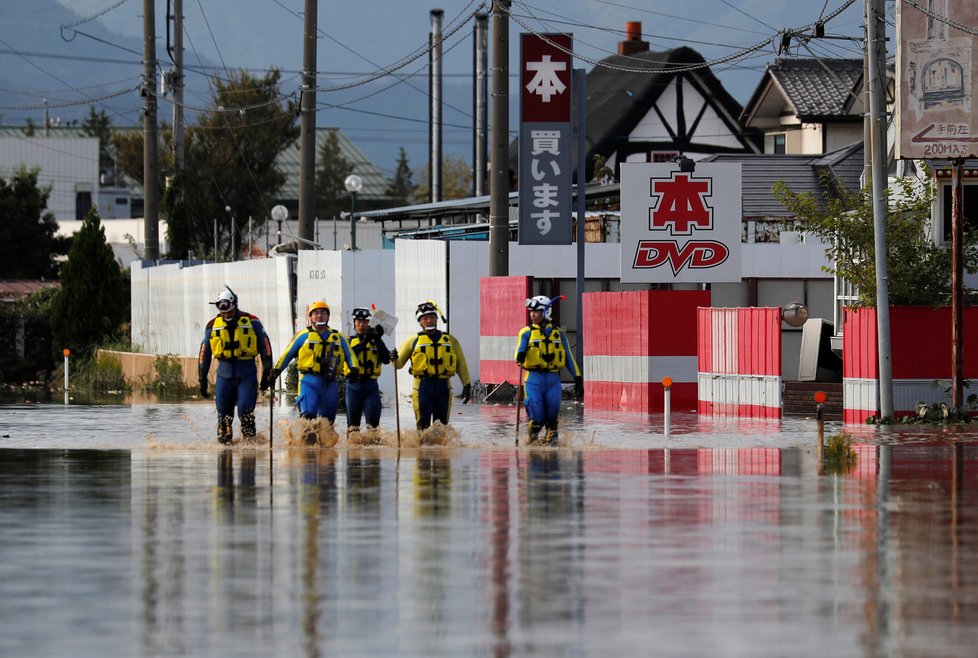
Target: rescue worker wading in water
542	349
362	391
435	358
234	338
319	352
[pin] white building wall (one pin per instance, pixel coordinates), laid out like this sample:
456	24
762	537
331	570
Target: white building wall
170	303
68	164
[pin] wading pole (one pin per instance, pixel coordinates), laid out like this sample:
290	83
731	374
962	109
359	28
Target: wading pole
271	415
397	412
67	353
519	387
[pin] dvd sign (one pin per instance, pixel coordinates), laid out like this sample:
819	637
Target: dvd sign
680	227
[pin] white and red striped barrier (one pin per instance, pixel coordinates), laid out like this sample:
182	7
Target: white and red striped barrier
739	362
502	315
920	348
632	340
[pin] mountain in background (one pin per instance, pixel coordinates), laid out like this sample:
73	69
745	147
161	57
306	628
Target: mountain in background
90	66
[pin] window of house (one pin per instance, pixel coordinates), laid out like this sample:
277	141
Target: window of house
779	144
970	209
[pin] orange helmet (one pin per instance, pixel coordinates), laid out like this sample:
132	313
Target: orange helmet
318	304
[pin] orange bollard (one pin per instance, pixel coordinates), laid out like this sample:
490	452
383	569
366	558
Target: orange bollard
666	404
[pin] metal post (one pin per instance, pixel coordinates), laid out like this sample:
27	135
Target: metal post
957	290
434	166
499	181
353	221
307	126
67	353
216	259
874	40
151	165
580	81
479	113
666	405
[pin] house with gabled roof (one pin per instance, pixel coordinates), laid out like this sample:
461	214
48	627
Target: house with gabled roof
808	105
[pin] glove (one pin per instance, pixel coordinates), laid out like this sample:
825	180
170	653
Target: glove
203	389
265	380
394	355
268	377
377	330
578	386
466	393
520	357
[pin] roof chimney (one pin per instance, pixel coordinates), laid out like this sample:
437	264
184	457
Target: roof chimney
633	39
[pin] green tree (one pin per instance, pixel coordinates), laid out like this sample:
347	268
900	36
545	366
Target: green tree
331	172
93	301
401	190
456	180
98	124
28	245
229	162
918	269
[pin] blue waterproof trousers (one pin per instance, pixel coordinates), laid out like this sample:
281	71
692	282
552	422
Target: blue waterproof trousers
317	397
362	399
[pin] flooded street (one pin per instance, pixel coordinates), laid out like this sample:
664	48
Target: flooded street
128	531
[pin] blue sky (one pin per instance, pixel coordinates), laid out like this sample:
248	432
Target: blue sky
357	39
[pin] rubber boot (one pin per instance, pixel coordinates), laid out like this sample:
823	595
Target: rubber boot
534	429
551	437
224	429
248	426
350	429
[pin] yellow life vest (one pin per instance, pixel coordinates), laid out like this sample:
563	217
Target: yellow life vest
544	353
368	360
318	355
244	345
433	358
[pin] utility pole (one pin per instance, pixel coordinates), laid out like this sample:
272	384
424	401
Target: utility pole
479	109
151	165
499	181
435	121
876	47
176	86
307	127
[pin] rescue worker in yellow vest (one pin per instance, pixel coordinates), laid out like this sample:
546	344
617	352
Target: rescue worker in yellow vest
435	358
234	338
320	353
362	391
542	349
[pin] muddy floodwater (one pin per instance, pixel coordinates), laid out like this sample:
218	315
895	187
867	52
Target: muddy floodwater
125	530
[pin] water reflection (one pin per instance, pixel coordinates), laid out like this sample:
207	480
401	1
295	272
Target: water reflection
445	551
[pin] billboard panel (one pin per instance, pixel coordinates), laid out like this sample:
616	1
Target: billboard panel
680	227
936	79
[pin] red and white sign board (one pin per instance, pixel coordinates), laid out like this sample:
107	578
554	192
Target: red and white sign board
680	227
936	79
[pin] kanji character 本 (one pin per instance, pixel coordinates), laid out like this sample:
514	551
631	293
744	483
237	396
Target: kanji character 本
545	82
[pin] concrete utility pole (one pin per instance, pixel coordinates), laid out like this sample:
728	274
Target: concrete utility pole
876	50
176	86
151	164
499	181
479	104
435	177
307	128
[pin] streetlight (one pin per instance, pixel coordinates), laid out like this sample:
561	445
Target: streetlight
353	184
280	213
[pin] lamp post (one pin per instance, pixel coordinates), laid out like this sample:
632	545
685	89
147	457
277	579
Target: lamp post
280	213
353	184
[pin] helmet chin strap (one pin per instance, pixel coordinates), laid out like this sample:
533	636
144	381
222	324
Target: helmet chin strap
321	324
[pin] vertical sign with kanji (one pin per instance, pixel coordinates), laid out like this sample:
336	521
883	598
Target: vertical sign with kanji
680	227
545	139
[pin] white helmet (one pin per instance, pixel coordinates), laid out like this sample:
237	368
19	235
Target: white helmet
539	303
226	300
